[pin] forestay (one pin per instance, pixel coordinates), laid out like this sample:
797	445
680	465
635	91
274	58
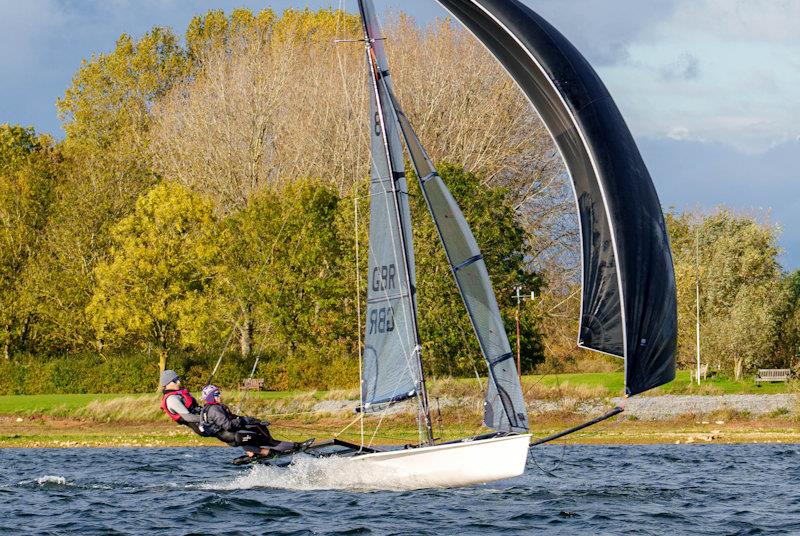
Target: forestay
391	370
628	303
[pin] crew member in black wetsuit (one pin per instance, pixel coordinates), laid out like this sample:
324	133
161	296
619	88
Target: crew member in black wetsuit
247	432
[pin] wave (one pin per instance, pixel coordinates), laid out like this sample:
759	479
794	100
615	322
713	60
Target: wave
48	481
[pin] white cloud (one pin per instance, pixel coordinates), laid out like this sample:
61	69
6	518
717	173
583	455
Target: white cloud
728	71
704	67
758	20
679	133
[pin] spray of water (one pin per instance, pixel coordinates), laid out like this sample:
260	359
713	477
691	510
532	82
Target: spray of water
310	473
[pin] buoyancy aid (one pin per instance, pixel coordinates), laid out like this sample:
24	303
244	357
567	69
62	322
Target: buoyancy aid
218	427
188	401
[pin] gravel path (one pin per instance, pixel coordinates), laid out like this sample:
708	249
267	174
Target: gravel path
666	406
649	408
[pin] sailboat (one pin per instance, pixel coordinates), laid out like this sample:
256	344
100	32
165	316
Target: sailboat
628	306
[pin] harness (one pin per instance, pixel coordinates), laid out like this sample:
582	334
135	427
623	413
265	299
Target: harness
209	428
204	412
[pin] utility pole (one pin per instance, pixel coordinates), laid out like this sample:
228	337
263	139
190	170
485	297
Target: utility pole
518	295
697	296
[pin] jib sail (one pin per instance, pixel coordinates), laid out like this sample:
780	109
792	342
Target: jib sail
504	408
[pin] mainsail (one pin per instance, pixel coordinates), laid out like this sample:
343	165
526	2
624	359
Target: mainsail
391	366
628	304
504	407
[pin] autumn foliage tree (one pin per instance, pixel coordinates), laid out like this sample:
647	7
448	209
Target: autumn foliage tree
206	188
155	286
27	179
734	257
103	171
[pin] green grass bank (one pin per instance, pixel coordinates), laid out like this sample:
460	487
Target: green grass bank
143	407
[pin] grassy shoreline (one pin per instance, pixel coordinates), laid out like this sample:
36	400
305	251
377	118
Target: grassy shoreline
55	432
135	420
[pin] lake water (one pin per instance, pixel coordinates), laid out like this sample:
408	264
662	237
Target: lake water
663	489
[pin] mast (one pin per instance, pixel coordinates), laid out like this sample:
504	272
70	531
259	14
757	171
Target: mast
377	80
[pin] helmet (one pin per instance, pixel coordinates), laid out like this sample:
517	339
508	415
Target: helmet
209	393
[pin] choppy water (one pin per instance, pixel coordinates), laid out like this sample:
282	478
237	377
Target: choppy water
678	489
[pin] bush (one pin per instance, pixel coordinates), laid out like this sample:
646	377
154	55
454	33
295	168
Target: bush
79	373
136	372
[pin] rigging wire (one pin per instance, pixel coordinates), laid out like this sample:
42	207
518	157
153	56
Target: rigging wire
219	360
354	189
360	341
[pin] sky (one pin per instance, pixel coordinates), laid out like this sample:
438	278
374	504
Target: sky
709	88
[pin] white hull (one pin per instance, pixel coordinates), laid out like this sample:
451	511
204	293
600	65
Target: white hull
454	464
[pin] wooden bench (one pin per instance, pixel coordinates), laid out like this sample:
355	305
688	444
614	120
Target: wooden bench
254	384
773	375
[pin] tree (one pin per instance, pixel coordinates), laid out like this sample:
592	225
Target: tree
306	291
104	170
288	293
26	186
740	287
247	71
252	238
272	125
787	349
107	104
156	285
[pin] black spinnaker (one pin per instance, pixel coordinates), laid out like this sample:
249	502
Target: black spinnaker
628	306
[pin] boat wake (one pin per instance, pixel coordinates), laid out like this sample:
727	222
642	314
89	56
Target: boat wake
310	473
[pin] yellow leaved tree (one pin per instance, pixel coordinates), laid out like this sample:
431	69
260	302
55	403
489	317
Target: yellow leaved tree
155	286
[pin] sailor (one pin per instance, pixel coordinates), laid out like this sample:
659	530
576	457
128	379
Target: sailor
178	403
249	433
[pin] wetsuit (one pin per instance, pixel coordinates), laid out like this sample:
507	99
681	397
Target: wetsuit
245	432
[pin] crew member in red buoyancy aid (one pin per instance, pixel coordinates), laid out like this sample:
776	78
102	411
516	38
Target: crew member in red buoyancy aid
179	404
249	433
